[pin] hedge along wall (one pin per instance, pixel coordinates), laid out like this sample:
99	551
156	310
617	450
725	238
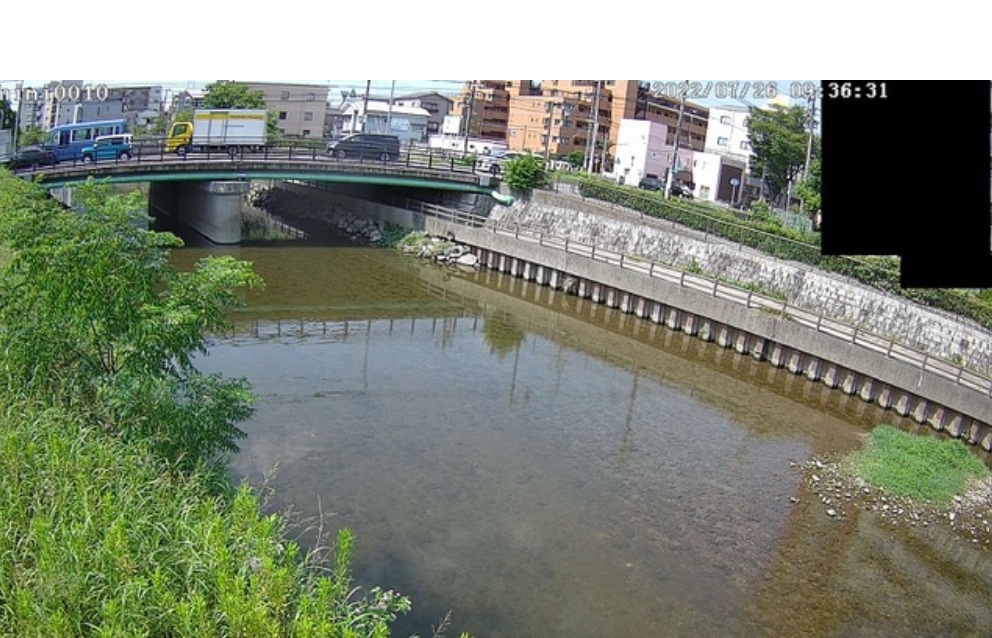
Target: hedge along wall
594	223
785	243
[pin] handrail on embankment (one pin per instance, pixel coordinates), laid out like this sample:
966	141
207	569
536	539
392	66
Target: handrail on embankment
819	322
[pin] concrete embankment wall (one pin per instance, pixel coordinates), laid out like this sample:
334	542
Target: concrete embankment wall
596	223
905	388
852	369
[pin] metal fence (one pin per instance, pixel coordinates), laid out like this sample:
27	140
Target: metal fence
817	321
154	151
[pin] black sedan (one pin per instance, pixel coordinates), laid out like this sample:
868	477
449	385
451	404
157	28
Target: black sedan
30	157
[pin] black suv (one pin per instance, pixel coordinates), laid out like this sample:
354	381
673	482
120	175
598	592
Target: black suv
366	146
30	156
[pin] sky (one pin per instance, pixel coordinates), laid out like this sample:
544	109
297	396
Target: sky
708	93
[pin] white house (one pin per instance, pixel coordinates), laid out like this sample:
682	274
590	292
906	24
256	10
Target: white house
641	151
715	176
406	122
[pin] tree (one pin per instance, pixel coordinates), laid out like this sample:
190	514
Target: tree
576	158
8	117
808	190
525	173
93	316
778	137
30	136
232	95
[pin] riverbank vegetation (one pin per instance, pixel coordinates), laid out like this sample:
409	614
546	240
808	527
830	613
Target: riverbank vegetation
922	468
908	480
769	235
118	517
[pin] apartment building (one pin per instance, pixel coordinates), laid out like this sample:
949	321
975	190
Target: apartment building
138	105
300	108
483	107
555	117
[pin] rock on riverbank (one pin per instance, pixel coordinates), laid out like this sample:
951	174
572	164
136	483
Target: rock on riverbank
969	515
439	249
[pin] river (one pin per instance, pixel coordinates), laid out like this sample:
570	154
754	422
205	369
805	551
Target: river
541	466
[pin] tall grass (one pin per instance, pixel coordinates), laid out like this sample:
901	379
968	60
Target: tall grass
98	538
919	467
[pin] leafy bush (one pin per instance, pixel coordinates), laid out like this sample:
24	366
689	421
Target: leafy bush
526	173
98	539
94	318
918	467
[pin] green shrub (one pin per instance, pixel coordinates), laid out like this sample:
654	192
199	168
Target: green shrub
94	318
919	467
526	173
99	539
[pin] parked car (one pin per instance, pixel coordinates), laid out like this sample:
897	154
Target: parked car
651	184
681	190
109	147
31	156
678	188
366	146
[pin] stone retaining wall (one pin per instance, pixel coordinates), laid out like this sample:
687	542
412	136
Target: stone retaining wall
589	221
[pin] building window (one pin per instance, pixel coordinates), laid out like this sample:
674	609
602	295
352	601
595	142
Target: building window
284	95
282	115
745	146
724	119
722	141
308	117
513	133
306	132
311	97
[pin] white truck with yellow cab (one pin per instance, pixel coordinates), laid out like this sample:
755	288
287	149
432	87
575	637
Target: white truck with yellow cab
230	130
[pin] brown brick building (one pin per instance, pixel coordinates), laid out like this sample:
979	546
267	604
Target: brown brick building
555	117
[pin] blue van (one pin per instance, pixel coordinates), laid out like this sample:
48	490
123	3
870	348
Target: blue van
109	147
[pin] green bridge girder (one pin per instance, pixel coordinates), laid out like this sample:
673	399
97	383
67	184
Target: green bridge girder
247	175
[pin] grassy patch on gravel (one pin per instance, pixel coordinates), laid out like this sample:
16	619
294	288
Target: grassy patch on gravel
917	467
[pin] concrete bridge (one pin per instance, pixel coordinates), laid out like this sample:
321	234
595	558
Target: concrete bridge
205	189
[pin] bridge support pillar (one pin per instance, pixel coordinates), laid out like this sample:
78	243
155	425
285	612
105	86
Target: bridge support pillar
211	208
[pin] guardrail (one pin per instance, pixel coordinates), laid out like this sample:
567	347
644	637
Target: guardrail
820	322
153	151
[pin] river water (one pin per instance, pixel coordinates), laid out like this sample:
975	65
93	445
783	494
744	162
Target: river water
541	466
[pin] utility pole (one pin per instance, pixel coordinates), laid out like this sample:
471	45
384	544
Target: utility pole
606	148
365	106
591	145
809	146
675	158
19	92
389	111
468	120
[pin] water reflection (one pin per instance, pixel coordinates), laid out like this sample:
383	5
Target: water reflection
544	466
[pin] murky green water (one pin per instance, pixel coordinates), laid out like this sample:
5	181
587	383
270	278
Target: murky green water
546	467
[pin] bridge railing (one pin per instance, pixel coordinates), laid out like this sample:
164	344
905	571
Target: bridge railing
153	150
816	320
